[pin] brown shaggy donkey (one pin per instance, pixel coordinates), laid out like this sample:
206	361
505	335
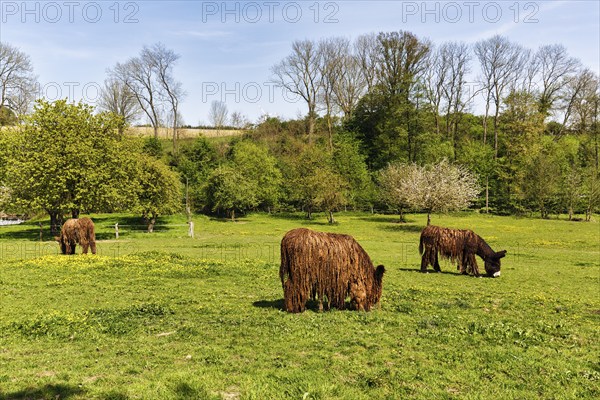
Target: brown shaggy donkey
317	265
459	246
77	231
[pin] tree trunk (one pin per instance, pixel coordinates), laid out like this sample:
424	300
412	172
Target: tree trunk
487	194
55	222
75	213
151	223
331	219
570	213
429	218
233	215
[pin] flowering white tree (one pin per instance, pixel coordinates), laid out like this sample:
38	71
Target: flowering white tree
440	187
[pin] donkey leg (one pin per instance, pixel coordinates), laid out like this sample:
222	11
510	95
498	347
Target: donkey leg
473	263
436	263
425	260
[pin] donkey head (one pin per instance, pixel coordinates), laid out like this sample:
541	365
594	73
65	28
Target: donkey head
492	264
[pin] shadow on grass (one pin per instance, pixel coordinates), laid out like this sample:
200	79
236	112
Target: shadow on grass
429	271
311	305
58	391
432	271
25	231
104	228
276	304
402	228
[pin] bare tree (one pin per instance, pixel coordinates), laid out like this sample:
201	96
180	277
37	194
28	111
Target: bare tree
117	98
501	63
17	81
217	115
554	68
139	75
458	57
332	52
239	120
435	78
164	60
578	97
299	74
445	85
350	85
365	48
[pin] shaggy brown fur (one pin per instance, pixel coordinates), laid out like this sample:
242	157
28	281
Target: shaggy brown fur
77	231
460	246
318	265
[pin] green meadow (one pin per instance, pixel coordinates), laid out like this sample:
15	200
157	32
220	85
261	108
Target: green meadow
167	316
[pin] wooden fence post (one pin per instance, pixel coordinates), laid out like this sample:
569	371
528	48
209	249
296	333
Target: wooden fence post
117	230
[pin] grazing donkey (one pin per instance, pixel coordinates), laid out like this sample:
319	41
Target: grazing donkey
460	246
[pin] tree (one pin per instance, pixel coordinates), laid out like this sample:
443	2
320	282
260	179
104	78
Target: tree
163	61
332	54
117	98
149	78
365	48
239	120
299	74
195	163
591	192
228	190
554	67
542	176
446	86
65	158
501	64
387	116
217	115
440	187
349	163
17	81
391	186
158	190
314	183
260	172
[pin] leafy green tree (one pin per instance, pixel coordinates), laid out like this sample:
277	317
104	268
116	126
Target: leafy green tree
158	190
591	192
314	183
227	189
541	178
195	163
259	170
479	158
64	158
7	117
521	127
153	147
350	164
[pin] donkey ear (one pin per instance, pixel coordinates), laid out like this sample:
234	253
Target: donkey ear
501	254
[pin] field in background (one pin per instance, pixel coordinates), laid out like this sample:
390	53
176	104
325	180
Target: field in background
166	316
164	133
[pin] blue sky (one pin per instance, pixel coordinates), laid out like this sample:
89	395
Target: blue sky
228	48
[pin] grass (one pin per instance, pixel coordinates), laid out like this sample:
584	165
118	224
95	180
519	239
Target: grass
165	316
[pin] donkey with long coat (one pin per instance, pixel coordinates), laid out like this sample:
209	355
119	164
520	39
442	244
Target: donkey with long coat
327	265
77	231
460	246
